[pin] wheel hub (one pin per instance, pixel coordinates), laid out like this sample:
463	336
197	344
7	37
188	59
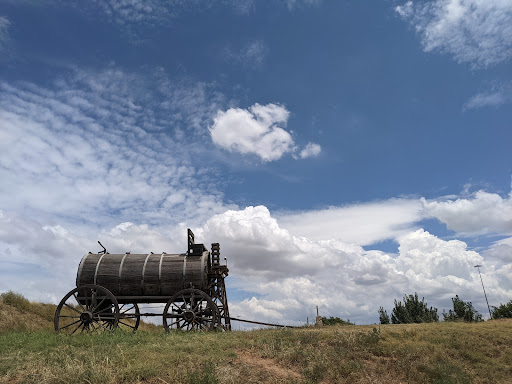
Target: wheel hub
189	316
86	317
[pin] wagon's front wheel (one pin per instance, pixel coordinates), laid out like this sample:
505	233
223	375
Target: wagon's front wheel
89	308
191	309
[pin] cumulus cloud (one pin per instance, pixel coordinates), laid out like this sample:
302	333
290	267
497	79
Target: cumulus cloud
310	150
256	131
288	274
291	274
253	131
496	96
481	214
472	31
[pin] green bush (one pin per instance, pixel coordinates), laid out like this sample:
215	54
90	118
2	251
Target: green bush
15	300
462	311
335	321
413	311
383	316
504	311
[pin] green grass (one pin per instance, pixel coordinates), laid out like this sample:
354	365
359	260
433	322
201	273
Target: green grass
414	353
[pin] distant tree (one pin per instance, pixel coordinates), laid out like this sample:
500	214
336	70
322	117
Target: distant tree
413	311
462	311
335	321
504	311
383	316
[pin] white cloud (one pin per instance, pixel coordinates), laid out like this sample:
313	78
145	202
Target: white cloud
254	131
362	224
311	150
257	131
478	32
500	251
99	148
292	274
481	214
289	274
494	97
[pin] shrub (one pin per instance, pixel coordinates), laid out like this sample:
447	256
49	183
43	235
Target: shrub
335	321
504	311
462	311
413	311
383	316
15	300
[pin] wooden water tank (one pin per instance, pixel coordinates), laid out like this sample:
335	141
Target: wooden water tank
142	277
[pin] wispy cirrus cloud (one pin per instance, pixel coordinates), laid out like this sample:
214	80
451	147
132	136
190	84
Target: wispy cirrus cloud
252	55
4	32
102	146
472	31
495	96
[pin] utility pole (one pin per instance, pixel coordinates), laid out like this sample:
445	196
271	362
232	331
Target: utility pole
485	294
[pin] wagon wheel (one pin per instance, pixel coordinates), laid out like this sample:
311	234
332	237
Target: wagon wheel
191	309
89	308
129	317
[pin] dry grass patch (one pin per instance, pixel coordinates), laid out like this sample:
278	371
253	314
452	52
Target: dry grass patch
435	353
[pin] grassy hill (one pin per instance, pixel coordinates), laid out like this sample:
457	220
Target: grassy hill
416	353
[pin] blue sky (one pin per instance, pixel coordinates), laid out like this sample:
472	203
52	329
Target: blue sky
343	153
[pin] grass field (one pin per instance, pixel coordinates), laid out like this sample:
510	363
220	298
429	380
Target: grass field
416	353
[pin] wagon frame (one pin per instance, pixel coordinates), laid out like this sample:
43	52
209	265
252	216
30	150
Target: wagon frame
110	287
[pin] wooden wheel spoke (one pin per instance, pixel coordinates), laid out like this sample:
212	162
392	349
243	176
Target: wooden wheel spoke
78	302
72	308
103	310
69	317
86	301
128	325
99	305
77	328
69	325
126	310
101	325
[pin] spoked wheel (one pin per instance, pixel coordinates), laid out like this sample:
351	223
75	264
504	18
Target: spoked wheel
129	317
191	309
89	308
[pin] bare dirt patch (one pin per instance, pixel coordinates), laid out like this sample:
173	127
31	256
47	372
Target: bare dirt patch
249	368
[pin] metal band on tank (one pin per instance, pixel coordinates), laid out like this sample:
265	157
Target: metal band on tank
160	273
121	271
97	267
80	267
202	267
144	270
160	267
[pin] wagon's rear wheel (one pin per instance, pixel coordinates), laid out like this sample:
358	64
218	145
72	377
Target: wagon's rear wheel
129	317
89	308
191	309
